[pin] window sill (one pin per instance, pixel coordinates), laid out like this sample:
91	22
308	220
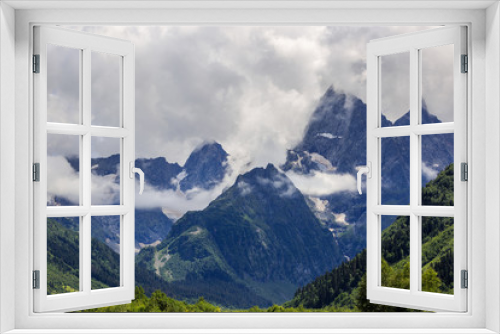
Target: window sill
256	331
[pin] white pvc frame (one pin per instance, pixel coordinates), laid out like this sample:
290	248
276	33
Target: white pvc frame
413	44
85	297
483	101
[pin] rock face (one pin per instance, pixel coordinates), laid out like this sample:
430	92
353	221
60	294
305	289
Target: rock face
259	233
205	167
336	131
335	142
158	172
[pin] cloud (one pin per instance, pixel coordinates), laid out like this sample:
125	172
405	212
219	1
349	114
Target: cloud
176	203
252	89
321	184
429	173
64	181
244	188
279	182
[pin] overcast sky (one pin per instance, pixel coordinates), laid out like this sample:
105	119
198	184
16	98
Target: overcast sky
252	89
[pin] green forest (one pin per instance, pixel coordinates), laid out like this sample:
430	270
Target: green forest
341	290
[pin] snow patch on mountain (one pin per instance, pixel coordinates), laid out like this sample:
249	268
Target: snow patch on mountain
328	135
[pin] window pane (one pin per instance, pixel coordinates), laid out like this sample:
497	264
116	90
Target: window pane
63	170
437	170
395	271
395	171
105	252
395	89
437	84
106	89
105	171
437	254
63	84
63	255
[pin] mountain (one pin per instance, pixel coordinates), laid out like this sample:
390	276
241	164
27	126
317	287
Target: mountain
205	167
334	142
258	238
345	286
63	259
158	172
336	132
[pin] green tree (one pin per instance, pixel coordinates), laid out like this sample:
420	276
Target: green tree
430	280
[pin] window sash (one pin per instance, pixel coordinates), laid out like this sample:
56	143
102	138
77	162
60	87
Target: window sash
414	298
86	297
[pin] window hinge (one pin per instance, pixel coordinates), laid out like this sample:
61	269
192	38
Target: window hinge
465	279
36	172
36	279
36	63
464	171
465	64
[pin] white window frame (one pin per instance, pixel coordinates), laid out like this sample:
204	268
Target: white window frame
86	44
413	44
483	20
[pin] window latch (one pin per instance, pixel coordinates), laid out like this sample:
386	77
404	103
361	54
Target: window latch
364	170
132	171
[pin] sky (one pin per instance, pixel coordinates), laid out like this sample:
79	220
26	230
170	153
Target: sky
250	88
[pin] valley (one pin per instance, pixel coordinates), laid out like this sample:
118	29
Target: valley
257	236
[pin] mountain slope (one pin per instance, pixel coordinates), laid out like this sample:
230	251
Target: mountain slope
63	260
205	167
334	142
346	285
259	233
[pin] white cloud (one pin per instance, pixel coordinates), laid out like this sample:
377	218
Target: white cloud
252	89
428	172
175	203
321	184
279	182
64	181
244	188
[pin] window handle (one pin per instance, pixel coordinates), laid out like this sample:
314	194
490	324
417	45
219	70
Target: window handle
139	171
364	170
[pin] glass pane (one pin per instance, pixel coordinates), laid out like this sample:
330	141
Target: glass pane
437	170
437	254
105	252
395	272
395	89
63	170
63	255
105	171
437	84
63	84
106	89
395	171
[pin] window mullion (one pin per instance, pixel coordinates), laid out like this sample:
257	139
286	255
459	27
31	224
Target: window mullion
85	231
414	173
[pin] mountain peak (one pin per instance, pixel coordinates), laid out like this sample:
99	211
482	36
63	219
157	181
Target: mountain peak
205	167
266	182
